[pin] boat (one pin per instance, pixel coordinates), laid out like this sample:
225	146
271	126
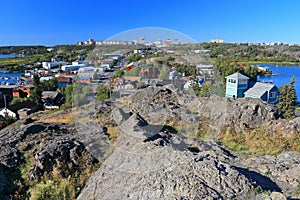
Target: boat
264	69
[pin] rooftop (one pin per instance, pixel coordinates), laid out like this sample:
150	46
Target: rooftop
259	89
146	67
237	75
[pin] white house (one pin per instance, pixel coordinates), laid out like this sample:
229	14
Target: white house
71	67
5	112
50	65
83	63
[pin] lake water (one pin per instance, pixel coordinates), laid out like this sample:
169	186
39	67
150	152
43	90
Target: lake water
283	75
9	56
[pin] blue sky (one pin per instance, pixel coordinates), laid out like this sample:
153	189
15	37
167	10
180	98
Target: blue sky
50	22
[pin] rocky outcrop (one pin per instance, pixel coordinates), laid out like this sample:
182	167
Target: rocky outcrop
161	104
51	144
239	114
63	152
149	164
12	137
31	150
151	160
272	196
284	169
2	183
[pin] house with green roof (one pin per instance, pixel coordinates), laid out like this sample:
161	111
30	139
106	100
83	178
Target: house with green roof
239	86
148	71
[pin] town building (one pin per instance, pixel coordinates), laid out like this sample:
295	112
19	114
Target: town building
90	42
205	71
67	68
50	65
239	86
149	72
264	91
217	41
52	99
21	92
63	81
236	85
5	112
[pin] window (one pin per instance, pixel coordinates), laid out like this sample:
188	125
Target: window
243	81
272	94
231	80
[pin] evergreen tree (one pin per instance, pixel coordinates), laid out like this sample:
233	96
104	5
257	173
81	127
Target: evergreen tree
164	71
36	93
103	92
68	92
287	100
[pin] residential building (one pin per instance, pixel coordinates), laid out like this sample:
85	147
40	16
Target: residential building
148	71
81	63
264	91
239	86
71	67
206	71
22	92
236	85
52	98
50	65
63	81
5	112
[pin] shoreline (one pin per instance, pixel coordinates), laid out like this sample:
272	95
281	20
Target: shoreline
274	63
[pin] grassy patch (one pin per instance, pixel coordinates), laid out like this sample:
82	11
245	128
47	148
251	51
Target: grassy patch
113	133
64	182
297	192
63	118
59	189
260	143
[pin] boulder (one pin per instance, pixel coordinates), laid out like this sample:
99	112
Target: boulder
165	165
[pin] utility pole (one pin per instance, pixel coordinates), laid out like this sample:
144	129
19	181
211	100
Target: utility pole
6	114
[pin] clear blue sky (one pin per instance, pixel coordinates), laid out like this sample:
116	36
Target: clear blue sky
50	22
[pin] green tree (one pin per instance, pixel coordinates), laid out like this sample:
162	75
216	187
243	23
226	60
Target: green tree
103	92
287	100
68	92
202	90
80	94
133	72
118	73
164	71
135	57
50	85
36	93
76	94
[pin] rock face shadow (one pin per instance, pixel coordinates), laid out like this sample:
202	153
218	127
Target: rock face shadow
263	181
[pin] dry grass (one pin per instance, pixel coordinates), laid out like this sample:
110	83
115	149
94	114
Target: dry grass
63	118
260	143
113	133
121	102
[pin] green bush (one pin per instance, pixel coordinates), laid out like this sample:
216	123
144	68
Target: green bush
103	92
53	190
19	100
